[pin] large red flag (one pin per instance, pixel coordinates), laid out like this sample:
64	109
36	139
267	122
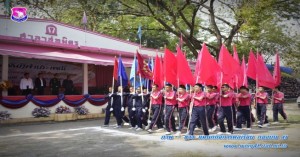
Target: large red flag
208	67
251	69
277	72
143	68
157	78
170	67
244	73
228	65
184	72
264	76
115	73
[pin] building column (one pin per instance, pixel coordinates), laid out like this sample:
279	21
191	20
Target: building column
85	85
4	71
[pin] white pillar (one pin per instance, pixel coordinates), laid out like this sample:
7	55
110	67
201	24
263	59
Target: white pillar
85	85
4	71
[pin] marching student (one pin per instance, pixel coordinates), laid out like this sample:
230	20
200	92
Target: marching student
156	108
108	109
225	110
139	114
244	109
118	106
210	108
183	106
261	107
198	110
170	102
131	108
146	105
278	98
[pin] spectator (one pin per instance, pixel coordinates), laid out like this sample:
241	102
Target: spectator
54	85
68	86
26	84
40	84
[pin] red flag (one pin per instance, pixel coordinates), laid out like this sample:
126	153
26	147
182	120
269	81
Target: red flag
229	66
184	72
115	73
251	69
244	73
235	54
277	72
170	67
264	76
208	67
157	78
143	68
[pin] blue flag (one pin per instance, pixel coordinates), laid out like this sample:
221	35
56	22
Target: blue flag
122	76
139	32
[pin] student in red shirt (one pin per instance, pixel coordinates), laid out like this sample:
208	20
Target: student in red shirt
198	111
183	106
278	98
156	107
210	107
244	110
225	110
170	102
261	107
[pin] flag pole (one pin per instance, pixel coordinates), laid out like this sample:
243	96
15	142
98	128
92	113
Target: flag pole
134	82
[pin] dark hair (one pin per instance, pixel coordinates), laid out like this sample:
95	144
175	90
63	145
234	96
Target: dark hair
209	86
168	84
244	87
182	86
215	87
226	85
26	73
277	87
155	85
199	85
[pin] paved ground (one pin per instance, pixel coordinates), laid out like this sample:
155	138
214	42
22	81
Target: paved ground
87	138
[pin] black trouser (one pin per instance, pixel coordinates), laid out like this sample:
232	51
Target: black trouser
261	112
55	91
210	112
131	116
169	118
225	112
183	114
278	107
26	91
40	91
118	113
124	117
139	115
243	112
198	114
107	115
216	115
156	119
234	114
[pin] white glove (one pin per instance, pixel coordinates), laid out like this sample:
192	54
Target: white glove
144	110
133	109
122	109
149	121
111	109
109	95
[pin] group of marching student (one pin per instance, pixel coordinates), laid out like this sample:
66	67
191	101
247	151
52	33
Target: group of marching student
196	108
